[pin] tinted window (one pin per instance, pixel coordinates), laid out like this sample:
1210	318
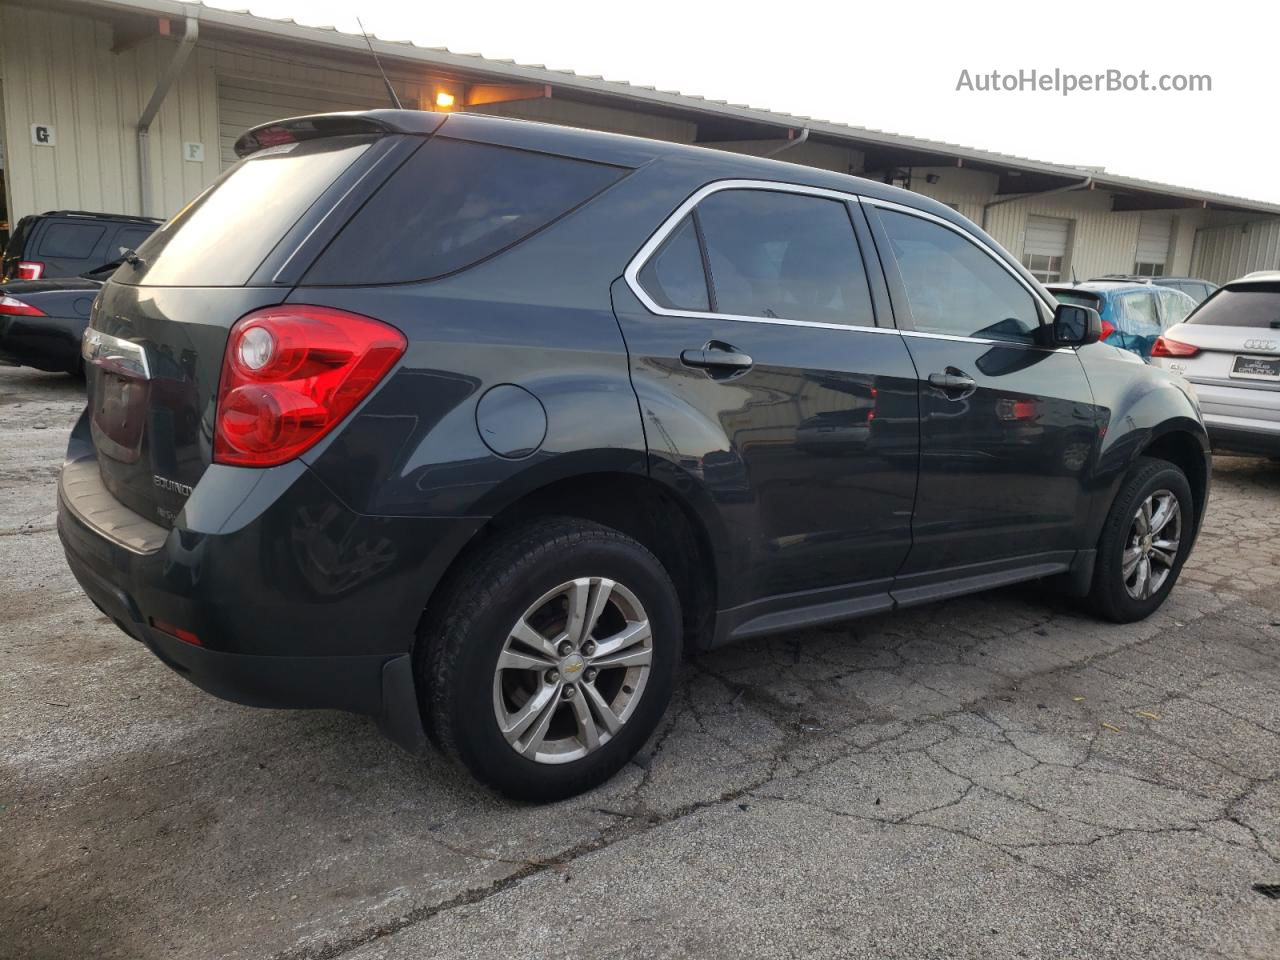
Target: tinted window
74	241
955	288
451	205
130	238
1256	305
784	255
674	276
226	232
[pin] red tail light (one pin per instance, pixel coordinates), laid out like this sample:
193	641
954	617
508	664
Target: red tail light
28	270
1107	329
290	374
1164	347
13	307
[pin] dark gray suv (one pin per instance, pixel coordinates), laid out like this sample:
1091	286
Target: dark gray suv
474	425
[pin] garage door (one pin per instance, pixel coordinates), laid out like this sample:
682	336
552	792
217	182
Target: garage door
1044	251
1153	244
246	103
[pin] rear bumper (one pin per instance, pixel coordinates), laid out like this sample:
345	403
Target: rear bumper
1234	435
295	600
1241	419
344	683
46	343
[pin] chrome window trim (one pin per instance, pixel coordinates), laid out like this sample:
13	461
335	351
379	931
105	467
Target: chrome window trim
637	263
924	335
923	215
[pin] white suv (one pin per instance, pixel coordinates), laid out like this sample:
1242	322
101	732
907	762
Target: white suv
1229	347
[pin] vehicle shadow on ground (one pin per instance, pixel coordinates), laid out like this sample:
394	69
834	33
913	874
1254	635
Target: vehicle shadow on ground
27	379
226	802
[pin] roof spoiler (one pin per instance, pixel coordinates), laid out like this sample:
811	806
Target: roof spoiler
357	123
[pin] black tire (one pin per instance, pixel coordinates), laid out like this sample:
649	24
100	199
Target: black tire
1108	596
462	641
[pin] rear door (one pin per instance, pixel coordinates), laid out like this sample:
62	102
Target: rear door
766	386
1006	425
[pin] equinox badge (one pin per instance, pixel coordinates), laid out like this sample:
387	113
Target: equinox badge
173	486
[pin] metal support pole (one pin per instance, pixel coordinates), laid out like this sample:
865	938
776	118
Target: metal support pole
191	33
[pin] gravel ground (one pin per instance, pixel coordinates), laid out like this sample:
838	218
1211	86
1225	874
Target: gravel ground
997	776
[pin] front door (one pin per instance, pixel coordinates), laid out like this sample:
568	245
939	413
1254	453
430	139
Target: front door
766	388
1007	426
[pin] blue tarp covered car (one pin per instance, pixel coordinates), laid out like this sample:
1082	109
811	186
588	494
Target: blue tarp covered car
1133	313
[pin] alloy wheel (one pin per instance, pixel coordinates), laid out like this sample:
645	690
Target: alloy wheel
1151	548
572	670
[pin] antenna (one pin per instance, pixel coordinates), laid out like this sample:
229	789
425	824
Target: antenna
1074	281
395	101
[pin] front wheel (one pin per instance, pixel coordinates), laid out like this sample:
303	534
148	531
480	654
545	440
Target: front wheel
1144	542
553	658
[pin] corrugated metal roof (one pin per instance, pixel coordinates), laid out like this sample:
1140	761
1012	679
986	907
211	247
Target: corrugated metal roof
443	58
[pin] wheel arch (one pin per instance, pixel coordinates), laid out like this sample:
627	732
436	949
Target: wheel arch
650	512
1182	447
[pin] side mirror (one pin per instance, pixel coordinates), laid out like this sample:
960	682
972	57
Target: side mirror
1076	326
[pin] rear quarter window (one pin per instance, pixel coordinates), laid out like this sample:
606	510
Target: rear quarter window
70	241
451	205
674	277
1256	305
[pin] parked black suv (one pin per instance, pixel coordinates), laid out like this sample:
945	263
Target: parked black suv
472	424
68	243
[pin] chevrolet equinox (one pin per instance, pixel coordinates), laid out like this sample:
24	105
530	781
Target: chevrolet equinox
473	424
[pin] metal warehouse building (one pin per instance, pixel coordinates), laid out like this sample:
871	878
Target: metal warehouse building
131	106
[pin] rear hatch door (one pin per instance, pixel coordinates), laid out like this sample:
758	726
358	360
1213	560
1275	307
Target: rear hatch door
1237	333
160	326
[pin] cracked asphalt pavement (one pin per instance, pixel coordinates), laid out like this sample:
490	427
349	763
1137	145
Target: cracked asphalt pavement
996	776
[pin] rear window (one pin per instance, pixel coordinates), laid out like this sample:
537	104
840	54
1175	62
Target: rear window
451	205
1256	305
130	238
224	234
70	241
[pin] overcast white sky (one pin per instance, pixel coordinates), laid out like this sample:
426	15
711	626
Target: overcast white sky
895	67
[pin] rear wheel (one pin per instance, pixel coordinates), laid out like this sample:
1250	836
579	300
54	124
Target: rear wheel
553	658
1144	543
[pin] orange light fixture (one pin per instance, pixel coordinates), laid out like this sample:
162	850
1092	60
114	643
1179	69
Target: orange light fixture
444	100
